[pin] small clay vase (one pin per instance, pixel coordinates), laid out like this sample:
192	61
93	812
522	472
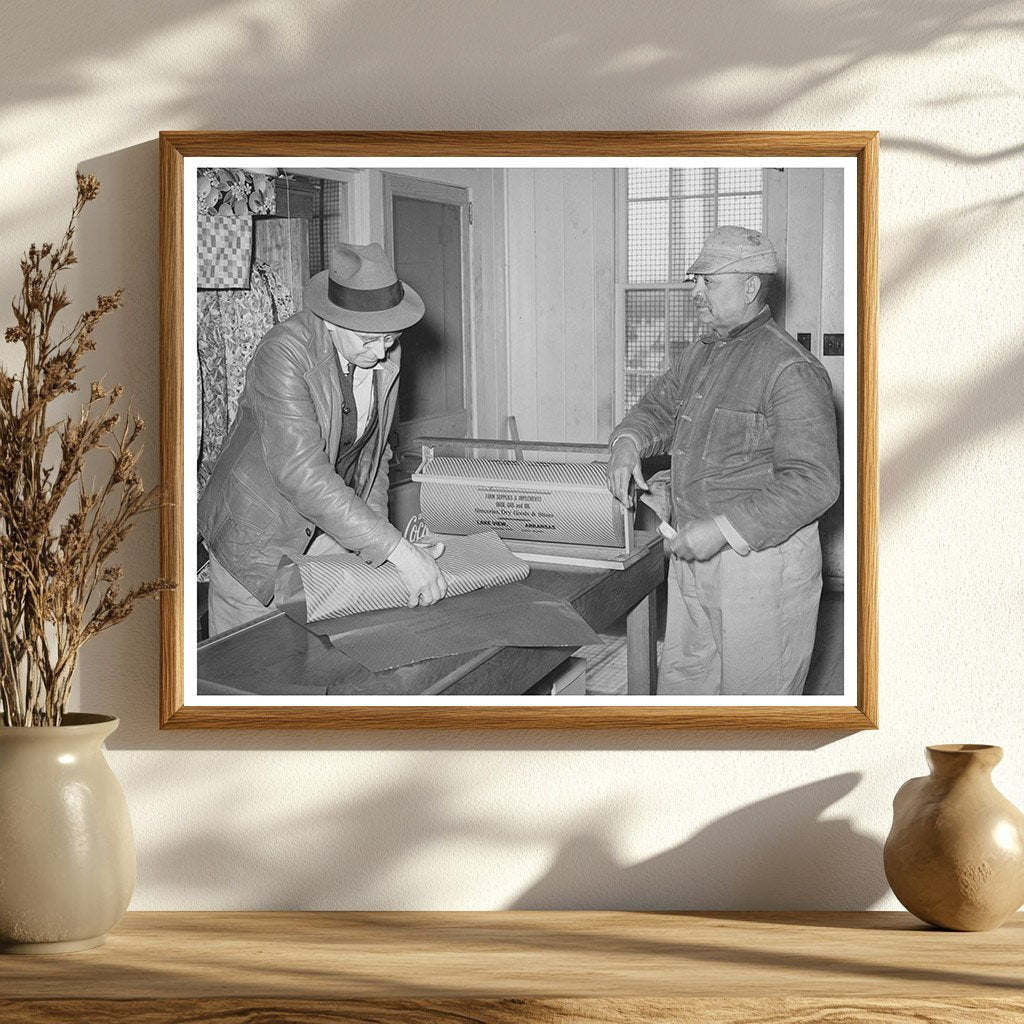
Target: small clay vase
955	854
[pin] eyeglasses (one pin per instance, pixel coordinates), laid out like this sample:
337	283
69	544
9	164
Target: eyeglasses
372	339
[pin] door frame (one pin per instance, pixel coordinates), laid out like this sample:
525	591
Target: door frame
452	424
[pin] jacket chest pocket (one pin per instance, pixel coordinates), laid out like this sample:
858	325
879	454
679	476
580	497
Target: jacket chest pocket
733	437
682	437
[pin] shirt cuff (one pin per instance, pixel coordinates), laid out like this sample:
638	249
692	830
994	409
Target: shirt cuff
732	535
379	551
625	435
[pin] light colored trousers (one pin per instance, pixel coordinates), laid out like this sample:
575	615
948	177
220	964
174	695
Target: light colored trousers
230	605
743	624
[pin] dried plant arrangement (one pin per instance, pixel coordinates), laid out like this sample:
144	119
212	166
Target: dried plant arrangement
58	533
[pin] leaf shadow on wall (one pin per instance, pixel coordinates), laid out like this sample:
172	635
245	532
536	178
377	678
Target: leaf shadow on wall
778	853
319	65
961	414
940	242
292	61
981	408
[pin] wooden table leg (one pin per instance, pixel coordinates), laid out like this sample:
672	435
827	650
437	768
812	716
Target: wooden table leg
642	647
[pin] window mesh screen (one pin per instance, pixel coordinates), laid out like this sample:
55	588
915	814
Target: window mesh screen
651	181
739	179
645	340
682	324
670	211
742	210
647	229
692	221
334	217
693	181
330	226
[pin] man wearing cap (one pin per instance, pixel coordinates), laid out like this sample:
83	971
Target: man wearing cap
305	465
748	418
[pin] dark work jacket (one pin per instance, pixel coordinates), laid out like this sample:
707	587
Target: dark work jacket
750	423
275	480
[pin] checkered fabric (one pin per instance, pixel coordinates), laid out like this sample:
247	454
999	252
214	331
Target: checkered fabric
224	251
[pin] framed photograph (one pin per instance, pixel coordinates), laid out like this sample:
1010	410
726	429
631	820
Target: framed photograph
519	430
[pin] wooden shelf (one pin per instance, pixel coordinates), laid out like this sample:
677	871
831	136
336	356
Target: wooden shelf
508	968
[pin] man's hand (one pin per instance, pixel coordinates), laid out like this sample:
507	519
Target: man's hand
697	540
623	466
418	569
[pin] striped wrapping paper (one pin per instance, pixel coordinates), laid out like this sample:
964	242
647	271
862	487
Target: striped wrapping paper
313	589
565	503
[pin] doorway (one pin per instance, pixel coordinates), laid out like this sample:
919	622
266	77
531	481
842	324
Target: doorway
427	235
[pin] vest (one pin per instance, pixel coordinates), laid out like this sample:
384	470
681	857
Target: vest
350	446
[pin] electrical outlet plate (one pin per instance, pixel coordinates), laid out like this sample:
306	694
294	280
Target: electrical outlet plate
833	345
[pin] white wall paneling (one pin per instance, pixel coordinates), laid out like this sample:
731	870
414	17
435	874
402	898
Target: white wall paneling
562	302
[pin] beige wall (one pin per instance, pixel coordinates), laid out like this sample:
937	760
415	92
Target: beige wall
462	820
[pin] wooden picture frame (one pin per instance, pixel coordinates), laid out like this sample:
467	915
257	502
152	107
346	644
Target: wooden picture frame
180	708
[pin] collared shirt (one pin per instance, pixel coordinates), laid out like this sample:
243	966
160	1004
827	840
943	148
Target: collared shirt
750	423
362	386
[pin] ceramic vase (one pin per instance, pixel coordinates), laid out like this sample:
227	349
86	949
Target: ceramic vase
67	855
955	855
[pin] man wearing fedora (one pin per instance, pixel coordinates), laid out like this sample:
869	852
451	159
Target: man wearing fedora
304	468
748	418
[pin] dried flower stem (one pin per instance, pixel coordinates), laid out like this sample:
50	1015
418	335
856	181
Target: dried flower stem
57	588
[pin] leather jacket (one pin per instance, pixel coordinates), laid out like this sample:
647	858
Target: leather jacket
275	482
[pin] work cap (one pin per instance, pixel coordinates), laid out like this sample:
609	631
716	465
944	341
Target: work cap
735	250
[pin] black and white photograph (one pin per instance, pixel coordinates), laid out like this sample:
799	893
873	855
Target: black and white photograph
526	433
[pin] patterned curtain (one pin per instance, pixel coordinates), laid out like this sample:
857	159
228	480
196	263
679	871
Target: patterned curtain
231	324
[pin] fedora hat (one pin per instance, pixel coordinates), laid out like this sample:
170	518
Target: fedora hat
361	291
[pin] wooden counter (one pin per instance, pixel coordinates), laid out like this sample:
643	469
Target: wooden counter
275	656
517	967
